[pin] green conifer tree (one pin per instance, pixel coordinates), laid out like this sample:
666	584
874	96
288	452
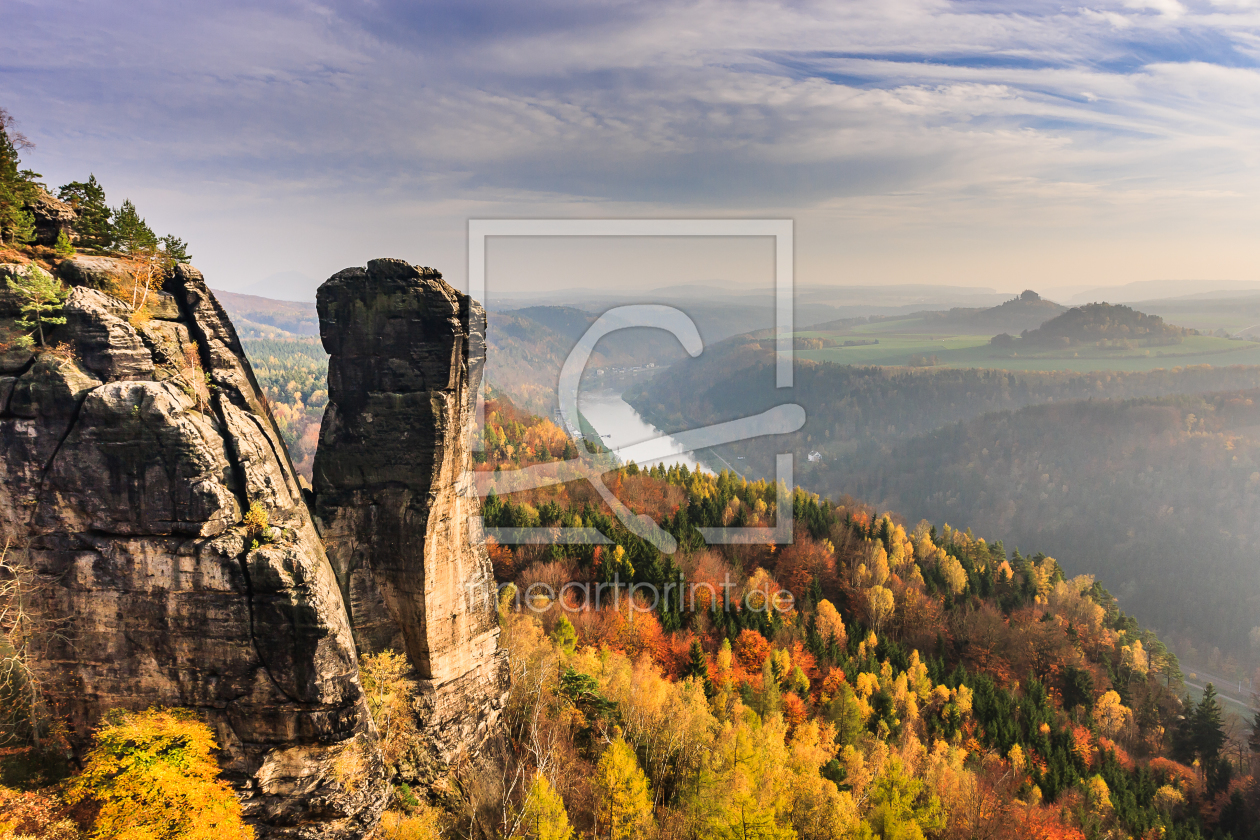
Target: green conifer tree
41	296
132	235
1208	726
770	699
1254	741
174	250
63	246
698	666
844	712
94	224
17	186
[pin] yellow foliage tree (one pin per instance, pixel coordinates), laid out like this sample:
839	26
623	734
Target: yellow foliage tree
154	777
829	624
1135	658
1110	714
544	816
625	805
746	792
953	572
879	565
389	696
881	604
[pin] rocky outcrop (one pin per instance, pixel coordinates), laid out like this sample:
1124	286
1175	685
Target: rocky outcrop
53	217
127	460
393	489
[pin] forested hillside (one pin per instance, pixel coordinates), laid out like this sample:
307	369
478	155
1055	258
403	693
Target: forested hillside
849	407
870	680
1104	322
1133	489
1141	492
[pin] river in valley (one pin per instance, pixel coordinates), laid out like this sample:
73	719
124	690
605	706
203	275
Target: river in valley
620	426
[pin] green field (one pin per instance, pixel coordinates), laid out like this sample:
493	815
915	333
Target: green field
905	343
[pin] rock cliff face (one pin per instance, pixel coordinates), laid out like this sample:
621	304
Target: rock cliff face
393	488
53	217
126	463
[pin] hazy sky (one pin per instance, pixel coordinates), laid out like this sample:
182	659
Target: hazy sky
975	143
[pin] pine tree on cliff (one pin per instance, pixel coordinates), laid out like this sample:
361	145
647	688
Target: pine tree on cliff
1254	741
94	225
132	235
17	186
41	295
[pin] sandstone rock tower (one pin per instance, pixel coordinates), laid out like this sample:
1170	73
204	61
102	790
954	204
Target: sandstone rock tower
125	469
393	488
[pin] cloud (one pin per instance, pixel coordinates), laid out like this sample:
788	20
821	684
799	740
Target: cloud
367	123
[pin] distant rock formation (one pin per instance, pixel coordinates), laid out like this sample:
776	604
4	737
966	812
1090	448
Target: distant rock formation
394	493
125	468
52	218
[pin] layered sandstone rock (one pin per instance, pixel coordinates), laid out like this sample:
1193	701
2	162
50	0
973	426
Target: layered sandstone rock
394	493
53	217
125	468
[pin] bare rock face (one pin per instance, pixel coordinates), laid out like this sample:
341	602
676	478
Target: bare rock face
52	218
124	473
393	489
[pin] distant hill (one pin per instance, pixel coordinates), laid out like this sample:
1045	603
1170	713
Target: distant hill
253	315
1026	312
1097	322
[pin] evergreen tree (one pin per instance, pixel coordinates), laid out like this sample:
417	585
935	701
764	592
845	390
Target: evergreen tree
94	225
1078	687
1254	741
1182	746
845	713
770	699
18	186
63	246
1208	727
132	235
41	295
698	667
175	249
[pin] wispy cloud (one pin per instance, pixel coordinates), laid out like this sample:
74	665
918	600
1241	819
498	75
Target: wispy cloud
352	126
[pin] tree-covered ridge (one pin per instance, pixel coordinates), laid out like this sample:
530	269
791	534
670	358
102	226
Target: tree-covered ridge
293	374
923	683
514	438
1142	491
260	317
96	227
849	407
1105	322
